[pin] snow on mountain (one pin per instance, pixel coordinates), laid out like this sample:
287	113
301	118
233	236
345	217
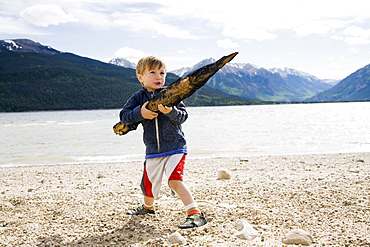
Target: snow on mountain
234	68
181	72
240	68
292	72
247	68
26	45
11	45
186	70
123	62
253	82
201	64
228	68
244	66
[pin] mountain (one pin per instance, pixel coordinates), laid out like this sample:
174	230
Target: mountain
252	82
355	87
123	62
34	77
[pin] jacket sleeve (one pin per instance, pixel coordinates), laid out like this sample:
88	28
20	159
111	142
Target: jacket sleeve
130	114
178	115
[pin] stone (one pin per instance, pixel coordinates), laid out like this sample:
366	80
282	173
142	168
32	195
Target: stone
176	238
298	236
223	174
246	230
354	170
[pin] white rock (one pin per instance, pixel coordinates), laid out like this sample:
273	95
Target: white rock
246	231
176	238
226	205
298	236
223	174
242	224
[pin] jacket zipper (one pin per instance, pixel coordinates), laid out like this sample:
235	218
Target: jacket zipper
157	133
156	129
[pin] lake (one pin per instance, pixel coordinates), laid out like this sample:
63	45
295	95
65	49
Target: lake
55	137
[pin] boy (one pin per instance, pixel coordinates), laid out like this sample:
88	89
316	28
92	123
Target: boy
164	140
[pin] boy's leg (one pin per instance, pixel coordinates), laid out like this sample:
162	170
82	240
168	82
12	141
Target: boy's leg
195	217
149	203
183	192
150	186
146	208
174	171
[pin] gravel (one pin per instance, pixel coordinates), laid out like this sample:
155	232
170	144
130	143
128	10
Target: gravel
324	195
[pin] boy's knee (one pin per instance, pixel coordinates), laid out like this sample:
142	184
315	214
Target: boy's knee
174	184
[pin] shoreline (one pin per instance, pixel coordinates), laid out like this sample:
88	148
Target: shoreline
327	195
190	156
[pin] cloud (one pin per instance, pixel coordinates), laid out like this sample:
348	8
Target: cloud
128	52
227	43
353	35
150	23
46	14
99	21
266	19
14	26
227	19
188	50
320	27
248	33
337	37
357	35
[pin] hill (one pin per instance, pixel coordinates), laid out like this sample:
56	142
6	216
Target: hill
355	87
63	81
26	45
34	77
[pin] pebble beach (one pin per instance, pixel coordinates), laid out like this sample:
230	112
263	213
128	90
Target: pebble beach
324	195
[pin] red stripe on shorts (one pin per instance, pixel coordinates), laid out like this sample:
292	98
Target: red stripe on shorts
177	173
146	185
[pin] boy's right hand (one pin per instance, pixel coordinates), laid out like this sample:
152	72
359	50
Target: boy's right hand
147	114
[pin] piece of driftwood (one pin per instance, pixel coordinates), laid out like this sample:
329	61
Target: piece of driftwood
179	90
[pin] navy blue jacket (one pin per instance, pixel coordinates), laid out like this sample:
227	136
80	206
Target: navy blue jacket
163	136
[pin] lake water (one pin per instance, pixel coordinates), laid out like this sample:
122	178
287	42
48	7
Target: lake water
32	138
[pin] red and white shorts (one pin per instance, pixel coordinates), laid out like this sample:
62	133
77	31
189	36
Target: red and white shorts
172	166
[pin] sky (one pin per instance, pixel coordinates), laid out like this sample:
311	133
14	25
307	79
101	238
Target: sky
329	39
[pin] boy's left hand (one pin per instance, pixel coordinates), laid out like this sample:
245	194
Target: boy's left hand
164	109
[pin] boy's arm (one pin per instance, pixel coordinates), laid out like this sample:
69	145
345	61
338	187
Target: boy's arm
130	114
178	115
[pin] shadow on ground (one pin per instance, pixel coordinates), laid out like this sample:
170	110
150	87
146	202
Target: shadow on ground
135	231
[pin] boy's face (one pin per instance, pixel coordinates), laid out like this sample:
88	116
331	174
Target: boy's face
152	79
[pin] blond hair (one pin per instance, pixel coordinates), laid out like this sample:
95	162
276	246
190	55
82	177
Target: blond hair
149	62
